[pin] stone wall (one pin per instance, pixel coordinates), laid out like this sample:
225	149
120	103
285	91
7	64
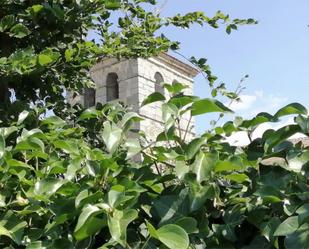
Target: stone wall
146	71
136	82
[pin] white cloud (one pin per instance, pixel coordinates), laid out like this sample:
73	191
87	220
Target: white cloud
259	101
238	139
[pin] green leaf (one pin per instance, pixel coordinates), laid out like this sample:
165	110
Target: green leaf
207	106
181	169
133	146
189	224
261	118
36	8
69	146
44	59
89	113
118	223
289	226
204	164
16	163
54	122
154	97
85	197
194	146
111	136
176	87
152	231
239	178
181	101
298	239
69	54
12	227
22	116
87	224
128	119
48	186
7	22
268	228
19	31
280	135
303	214
112	4
7	131
303	122
231	164
2	146
171	207
115	194
198	194
173	236
31	143
74	166
169	114
293	108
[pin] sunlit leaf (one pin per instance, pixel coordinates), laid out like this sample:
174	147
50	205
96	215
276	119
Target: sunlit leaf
204	106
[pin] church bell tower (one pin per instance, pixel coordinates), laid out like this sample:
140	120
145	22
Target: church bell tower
132	80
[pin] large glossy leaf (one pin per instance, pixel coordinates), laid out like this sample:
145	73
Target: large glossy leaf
6	22
89	114
198	195
289	226
111	136
303	122
204	164
303	214
11	226
22	116
280	135
169	114
171	207
19	31
194	146
16	163
268	228
154	97
118	223
129	117
48	186
189	224
261	118
298	239
133	146
87	223
48	57
31	143
293	108
173	236
175	87
54	122
208	105
230	164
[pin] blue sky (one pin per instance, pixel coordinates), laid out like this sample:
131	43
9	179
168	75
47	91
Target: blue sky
275	52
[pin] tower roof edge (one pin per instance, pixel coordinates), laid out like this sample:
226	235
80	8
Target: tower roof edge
178	64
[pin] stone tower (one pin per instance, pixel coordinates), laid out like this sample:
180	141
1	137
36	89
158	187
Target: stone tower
132	80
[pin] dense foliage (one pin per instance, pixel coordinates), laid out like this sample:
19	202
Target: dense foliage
73	184
79	180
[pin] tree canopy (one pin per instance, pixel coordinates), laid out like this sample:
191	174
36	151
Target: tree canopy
69	180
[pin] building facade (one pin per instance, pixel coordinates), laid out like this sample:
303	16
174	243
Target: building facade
132	80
